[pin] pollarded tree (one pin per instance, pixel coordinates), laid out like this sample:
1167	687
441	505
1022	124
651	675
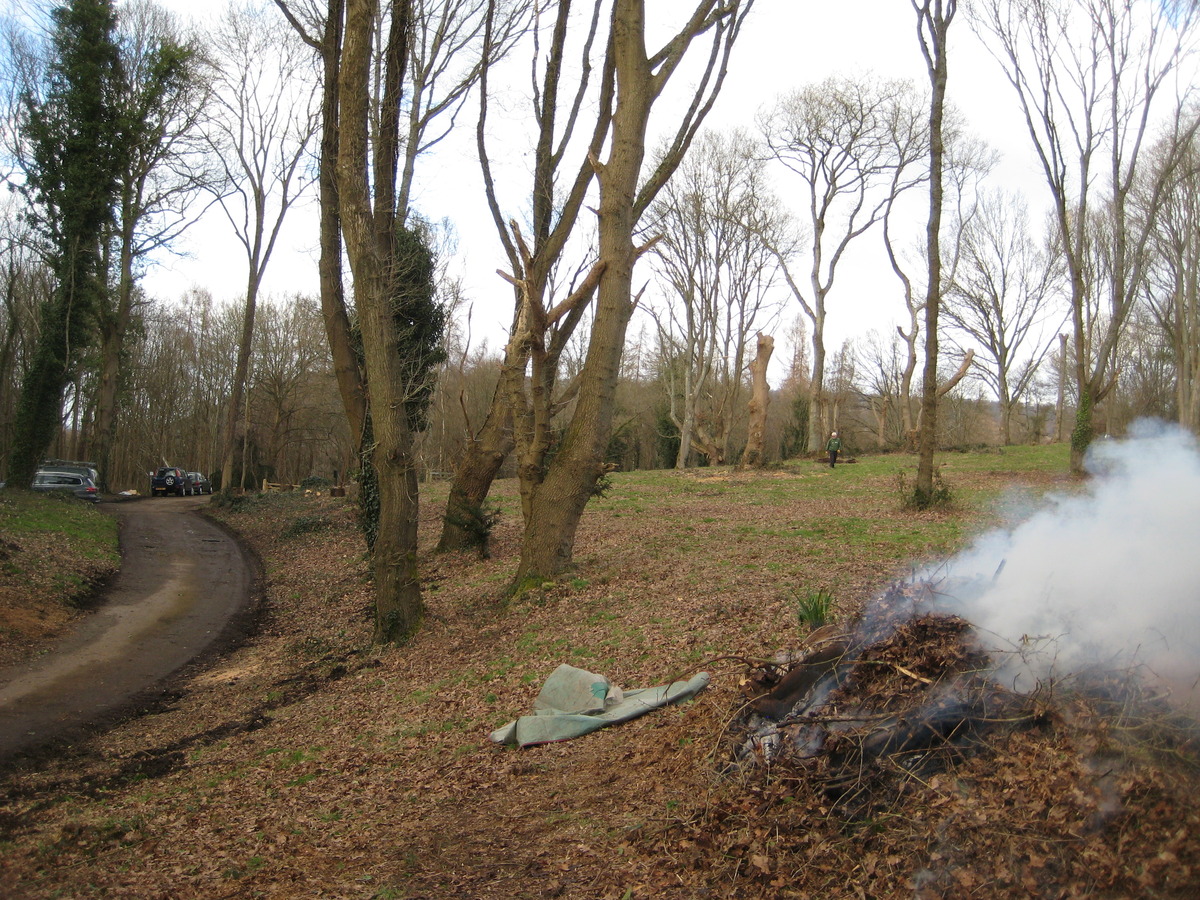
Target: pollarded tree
71	127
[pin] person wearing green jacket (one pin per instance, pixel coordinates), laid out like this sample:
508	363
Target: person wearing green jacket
833	445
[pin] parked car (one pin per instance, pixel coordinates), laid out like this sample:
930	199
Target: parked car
69	465
170	480
200	483
82	486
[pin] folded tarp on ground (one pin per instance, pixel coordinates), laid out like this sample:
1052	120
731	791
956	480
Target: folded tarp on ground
573	703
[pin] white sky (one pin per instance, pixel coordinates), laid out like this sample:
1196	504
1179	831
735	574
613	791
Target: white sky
785	44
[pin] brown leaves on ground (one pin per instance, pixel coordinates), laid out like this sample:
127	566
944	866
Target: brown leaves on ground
309	764
44	581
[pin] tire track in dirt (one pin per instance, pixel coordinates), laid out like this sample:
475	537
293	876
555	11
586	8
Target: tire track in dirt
183	580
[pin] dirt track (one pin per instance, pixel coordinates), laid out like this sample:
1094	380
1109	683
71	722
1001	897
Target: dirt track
182	584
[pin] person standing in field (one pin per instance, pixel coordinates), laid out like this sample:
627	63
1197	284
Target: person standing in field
832	446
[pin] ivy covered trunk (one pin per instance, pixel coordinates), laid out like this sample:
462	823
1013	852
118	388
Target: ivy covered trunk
393	381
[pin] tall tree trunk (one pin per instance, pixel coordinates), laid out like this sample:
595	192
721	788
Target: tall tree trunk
114	325
371	245
233	413
333	294
933	24
1060	403
818	411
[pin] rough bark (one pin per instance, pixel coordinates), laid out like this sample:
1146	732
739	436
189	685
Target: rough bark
760	399
934	18
369	222
329	269
522	411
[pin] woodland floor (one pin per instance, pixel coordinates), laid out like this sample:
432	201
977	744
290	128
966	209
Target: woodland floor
307	763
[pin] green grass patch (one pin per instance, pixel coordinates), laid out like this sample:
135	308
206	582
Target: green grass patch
93	534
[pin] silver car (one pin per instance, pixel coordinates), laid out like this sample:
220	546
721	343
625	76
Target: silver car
82	486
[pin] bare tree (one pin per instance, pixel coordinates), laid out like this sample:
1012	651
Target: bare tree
26	283
264	115
1091	78
291	410
441	50
856	146
163	95
626	191
1003	298
967	162
1172	289
320	24
934	18
718	222
527	397
883	365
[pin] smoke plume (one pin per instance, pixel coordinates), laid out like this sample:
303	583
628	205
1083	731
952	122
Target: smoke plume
1108	575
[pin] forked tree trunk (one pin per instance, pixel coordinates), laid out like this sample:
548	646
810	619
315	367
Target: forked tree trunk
483	456
567	486
579	463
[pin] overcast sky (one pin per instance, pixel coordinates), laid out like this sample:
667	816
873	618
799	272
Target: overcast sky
785	44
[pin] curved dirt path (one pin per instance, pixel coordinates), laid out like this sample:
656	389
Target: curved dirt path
183	580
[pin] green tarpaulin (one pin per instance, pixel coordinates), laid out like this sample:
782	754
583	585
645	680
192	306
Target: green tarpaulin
573	702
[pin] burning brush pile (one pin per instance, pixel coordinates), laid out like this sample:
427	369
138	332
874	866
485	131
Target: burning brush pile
908	690
896	754
904	692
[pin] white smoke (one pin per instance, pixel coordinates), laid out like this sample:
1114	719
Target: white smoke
1109	575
